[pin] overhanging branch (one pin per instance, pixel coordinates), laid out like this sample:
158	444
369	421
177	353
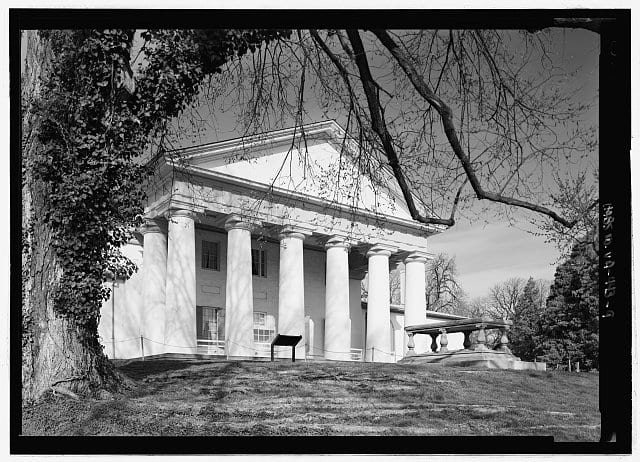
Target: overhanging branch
379	126
404	60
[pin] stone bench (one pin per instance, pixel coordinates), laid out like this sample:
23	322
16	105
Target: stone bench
474	353
466	326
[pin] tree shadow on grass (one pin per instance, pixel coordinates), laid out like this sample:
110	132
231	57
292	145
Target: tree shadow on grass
139	370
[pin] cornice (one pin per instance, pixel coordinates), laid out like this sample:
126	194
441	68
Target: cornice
219	177
274	138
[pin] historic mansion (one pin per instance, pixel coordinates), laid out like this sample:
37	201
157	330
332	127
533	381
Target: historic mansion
272	234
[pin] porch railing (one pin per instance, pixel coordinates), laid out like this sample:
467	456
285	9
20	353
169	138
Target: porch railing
355	354
263	349
210	347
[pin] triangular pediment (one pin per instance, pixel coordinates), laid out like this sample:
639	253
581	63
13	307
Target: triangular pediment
321	165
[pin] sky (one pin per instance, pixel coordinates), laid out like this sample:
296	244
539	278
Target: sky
488	253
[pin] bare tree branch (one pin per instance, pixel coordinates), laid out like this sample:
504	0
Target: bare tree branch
456	200
379	126
446	116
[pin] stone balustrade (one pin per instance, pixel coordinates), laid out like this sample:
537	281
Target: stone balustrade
467	327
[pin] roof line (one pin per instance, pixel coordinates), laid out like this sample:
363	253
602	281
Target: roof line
262	136
277	136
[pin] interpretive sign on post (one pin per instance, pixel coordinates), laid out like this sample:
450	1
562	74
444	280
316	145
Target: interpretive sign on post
286	340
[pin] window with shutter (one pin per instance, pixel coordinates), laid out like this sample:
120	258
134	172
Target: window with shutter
259	262
210	255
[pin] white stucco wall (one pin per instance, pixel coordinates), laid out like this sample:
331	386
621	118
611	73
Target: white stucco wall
126	304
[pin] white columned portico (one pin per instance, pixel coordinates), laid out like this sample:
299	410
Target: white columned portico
291	288
337	332
415	301
239	288
180	321
154	267
378	342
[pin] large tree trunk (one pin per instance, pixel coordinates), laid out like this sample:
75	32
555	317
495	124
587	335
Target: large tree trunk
53	355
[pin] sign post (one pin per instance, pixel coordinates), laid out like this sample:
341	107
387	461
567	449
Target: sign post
286	340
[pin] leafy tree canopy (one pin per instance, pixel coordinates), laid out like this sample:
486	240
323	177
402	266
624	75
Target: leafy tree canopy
569	326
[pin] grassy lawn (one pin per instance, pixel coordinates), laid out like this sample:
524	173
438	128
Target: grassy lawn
316	398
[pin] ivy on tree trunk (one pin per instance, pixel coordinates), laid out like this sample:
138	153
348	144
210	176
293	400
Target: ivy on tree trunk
87	118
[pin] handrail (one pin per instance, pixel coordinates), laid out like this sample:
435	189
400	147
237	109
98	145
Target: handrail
355	354
467	326
463	325
207	346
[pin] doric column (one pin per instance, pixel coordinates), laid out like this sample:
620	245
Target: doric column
378	344
239	289
291	288
154	269
180	325
415	301
337	332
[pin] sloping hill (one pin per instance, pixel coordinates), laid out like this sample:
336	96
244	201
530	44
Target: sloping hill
318	398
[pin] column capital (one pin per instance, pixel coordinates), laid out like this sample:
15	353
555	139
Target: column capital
179	213
153	225
381	249
238	222
297	232
338	240
417	256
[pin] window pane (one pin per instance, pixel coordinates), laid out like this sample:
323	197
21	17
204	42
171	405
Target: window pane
206	323
258	319
263	264
264	327
210	255
270	322
255	262
220	324
215	252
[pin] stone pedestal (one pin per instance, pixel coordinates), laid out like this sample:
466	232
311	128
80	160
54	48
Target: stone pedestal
491	359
